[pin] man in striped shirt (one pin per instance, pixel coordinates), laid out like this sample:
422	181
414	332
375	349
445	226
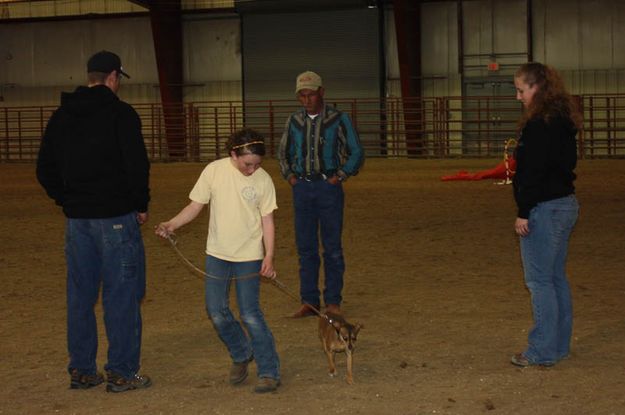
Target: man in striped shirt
319	150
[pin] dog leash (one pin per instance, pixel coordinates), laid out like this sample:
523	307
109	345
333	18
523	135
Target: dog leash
173	241
274	281
288	292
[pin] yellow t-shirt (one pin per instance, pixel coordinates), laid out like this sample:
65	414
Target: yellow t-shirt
237	203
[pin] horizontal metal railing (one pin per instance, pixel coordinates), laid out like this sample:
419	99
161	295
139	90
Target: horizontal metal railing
437	127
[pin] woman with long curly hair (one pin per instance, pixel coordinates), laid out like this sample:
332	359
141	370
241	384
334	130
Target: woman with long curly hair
546	157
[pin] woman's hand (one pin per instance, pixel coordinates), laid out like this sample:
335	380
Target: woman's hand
521	227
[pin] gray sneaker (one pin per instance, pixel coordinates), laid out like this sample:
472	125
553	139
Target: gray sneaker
117	383
238	371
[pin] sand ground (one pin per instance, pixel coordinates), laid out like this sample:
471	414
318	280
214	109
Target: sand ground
433	272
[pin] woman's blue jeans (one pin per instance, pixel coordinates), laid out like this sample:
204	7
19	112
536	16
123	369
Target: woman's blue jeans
260	345
107	252
543	253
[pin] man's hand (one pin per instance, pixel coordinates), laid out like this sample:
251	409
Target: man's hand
142	217
521	227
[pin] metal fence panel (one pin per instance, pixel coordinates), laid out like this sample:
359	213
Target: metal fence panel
439	127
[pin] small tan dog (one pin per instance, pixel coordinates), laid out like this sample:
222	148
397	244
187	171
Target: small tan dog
337	335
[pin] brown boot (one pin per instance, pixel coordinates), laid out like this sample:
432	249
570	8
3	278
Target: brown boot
82	381
117	383
305	310
265	385
333	308
238	372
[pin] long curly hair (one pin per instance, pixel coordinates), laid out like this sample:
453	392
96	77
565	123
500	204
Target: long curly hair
551	99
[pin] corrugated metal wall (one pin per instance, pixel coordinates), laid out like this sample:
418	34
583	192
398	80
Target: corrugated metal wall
40	59
341	45
212	53
580	34
30	9
585	39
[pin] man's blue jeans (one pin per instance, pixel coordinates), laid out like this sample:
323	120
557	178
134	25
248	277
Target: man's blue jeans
319	210
544	253
260	343
107	252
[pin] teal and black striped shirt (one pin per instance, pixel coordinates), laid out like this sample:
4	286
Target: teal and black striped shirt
326	144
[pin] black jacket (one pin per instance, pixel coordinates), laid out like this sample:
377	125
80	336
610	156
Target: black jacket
92	160
546	156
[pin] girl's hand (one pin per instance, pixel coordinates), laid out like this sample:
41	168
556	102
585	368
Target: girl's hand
267	270
164	229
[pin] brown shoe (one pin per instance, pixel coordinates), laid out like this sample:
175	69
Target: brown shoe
333	308
305	310
519	359
81	381
265	385
238	371
117	383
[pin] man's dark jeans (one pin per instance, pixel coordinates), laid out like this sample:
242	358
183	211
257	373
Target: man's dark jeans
109	252
319	211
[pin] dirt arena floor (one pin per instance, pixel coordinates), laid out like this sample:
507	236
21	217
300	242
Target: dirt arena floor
433	273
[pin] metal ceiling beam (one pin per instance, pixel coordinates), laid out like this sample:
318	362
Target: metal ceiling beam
408	32
166	22
143	3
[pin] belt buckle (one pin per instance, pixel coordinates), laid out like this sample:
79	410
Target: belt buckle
314	177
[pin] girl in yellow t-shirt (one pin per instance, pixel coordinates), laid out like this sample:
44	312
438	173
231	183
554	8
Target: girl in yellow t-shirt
240	247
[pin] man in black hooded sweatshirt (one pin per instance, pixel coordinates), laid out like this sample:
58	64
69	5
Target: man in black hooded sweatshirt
93	163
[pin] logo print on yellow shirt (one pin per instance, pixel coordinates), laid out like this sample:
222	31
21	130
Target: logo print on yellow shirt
248	193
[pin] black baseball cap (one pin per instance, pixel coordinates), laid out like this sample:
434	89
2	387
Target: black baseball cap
106	62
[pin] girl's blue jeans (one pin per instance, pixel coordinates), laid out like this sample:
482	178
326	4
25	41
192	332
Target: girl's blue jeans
260	343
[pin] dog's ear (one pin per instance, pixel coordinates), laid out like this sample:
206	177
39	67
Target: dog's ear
357	328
